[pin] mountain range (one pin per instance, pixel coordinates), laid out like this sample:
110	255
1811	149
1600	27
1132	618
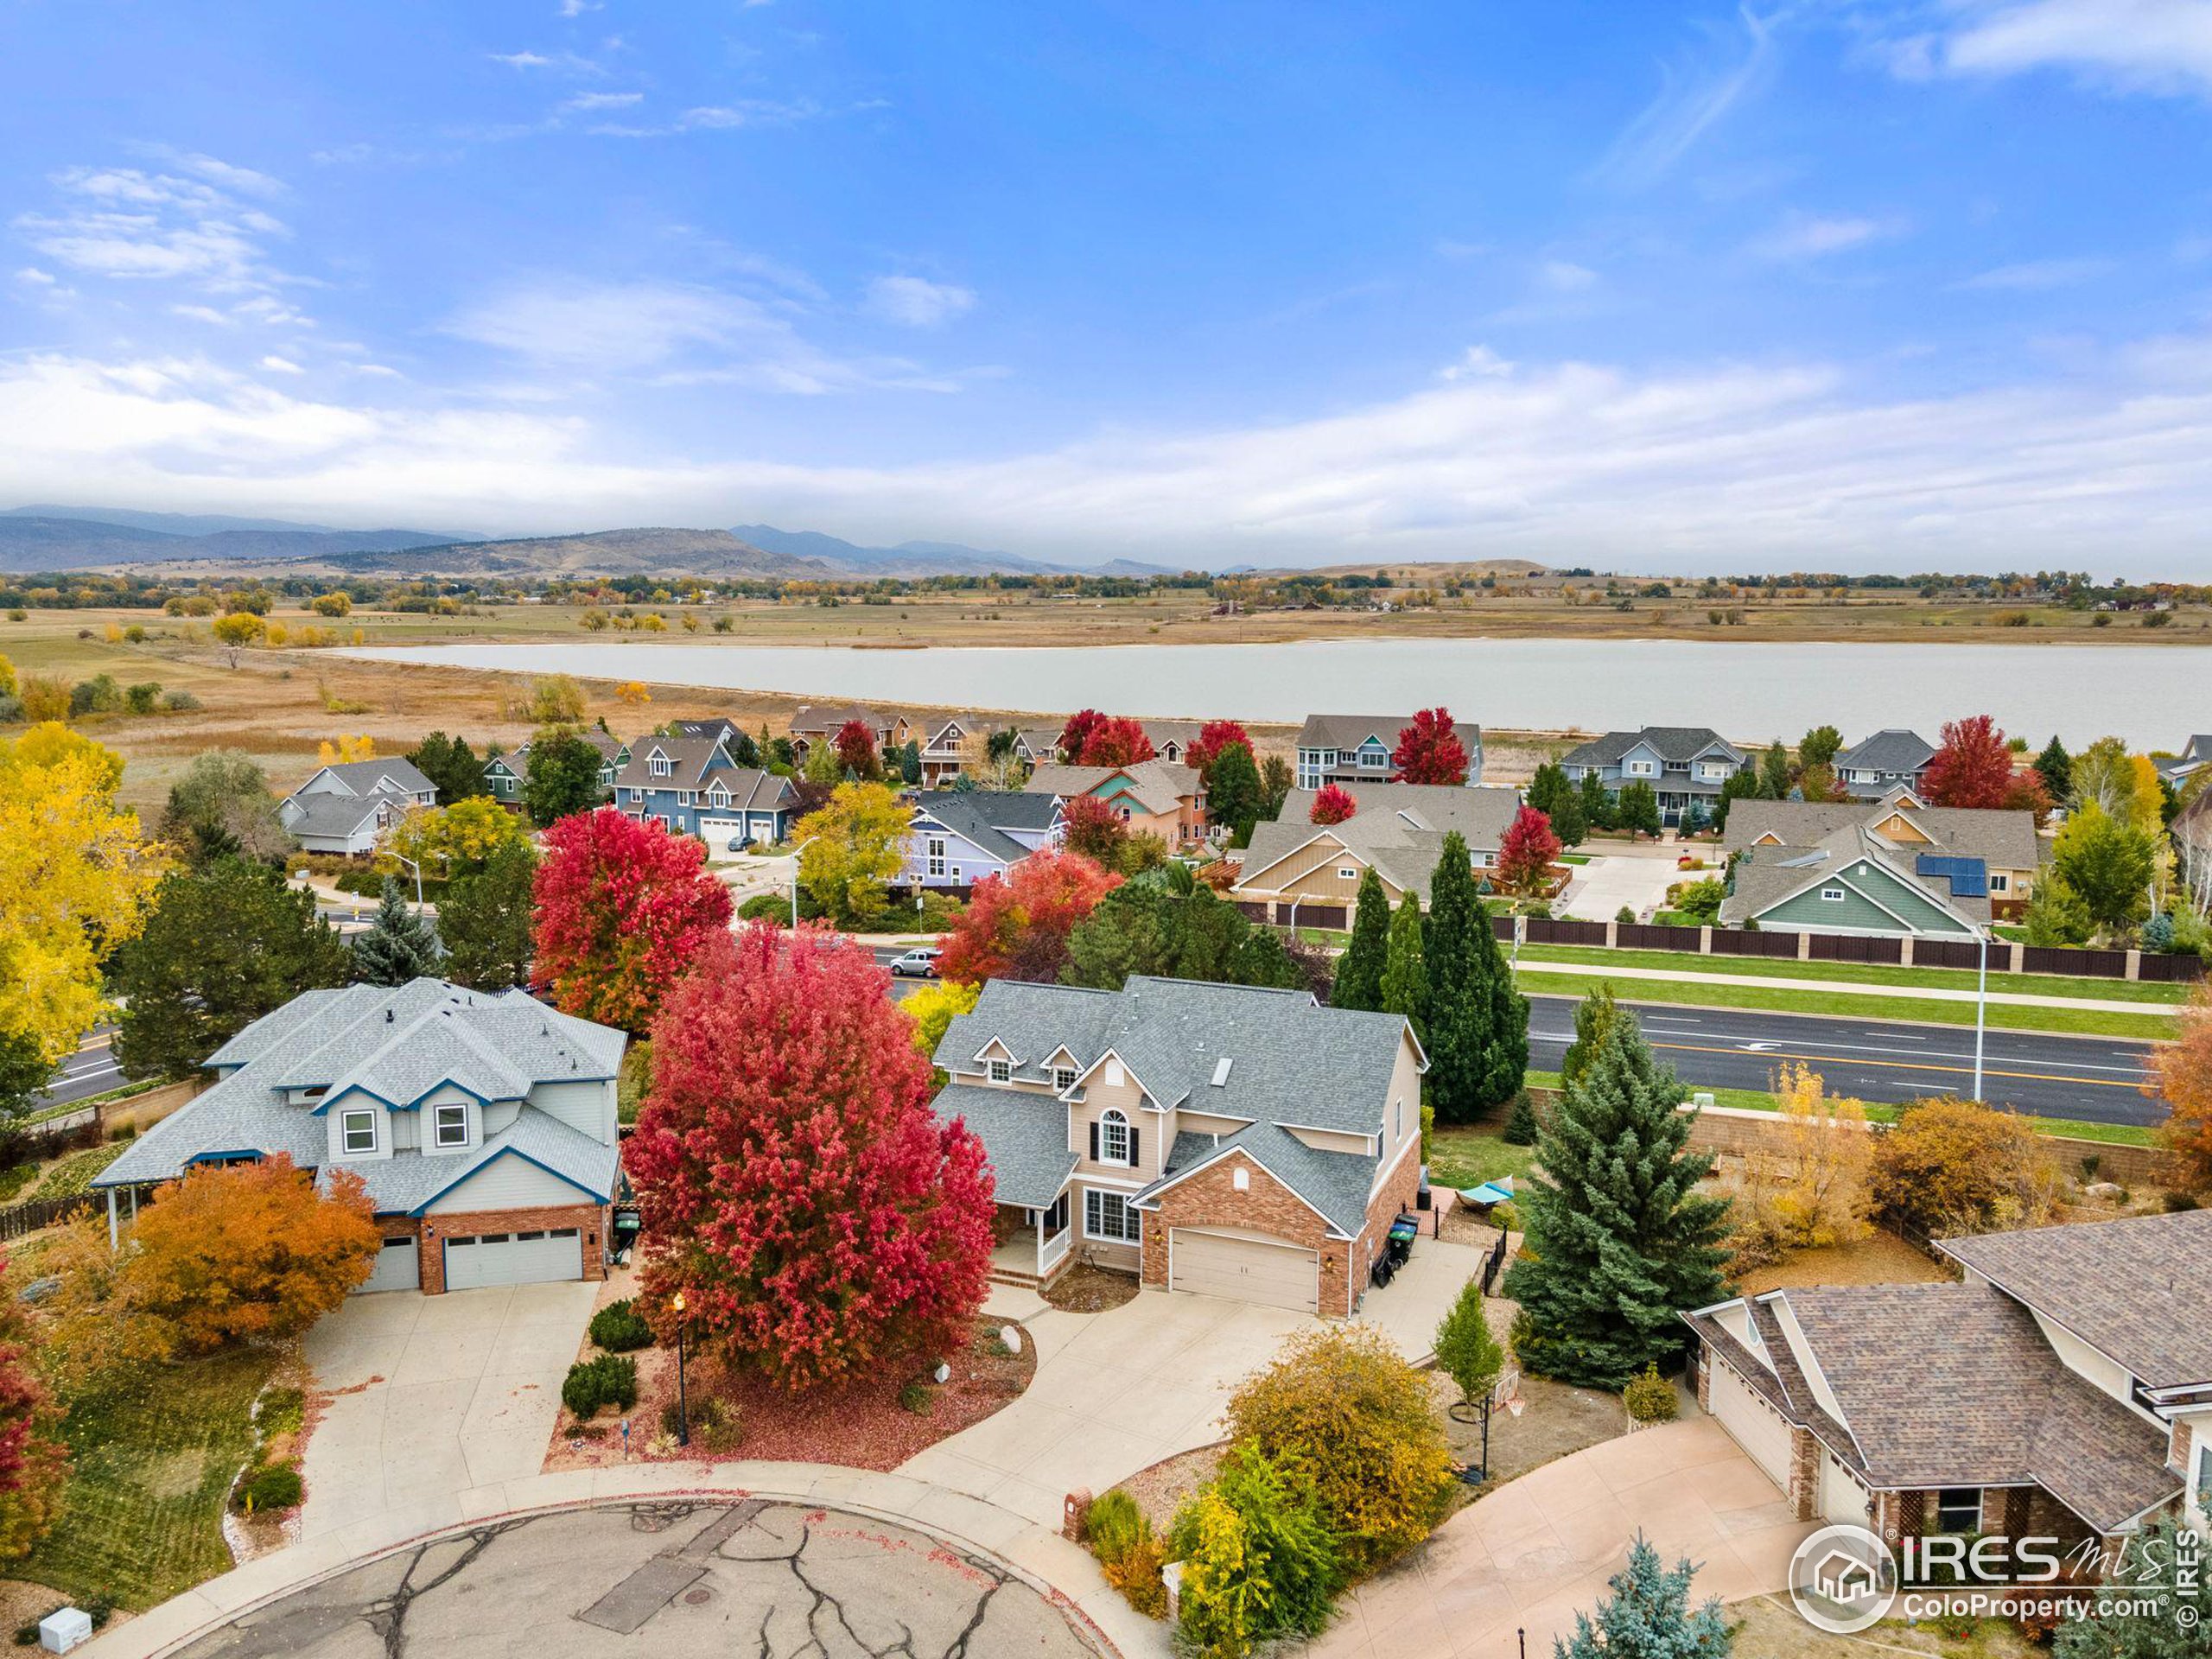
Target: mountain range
54	538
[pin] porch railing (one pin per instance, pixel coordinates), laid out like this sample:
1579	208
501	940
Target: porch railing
1050	1250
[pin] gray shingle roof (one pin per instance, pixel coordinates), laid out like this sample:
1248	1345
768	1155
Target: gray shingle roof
1024	1134
691	759
1768	874
984	816
749	786
828	719
330	814
1399	829
1350	731
2138	1289
1670	742
1891	749
497	1046
362	777
1336	1184
2003	839
1159	785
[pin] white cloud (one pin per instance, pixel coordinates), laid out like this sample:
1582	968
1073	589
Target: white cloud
2154	46
277	365
242	181
1719	466
1694	95
2038	276
577	8
206	314
589	101
1809	236
129	224
1478	362
1564	277
916	301
31	276
521	60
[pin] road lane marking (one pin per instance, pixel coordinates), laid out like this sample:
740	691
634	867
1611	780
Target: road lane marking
1915	1065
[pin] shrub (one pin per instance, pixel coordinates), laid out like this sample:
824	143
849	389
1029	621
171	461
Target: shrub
1341	1407
766	907
1210	1537
1113	1525
1522	1127
915	1397
1650	1397
601	1380
1137	1576
620	1328
179	702
282	1411
716	1424
274	1487
1953	1166
1284	1570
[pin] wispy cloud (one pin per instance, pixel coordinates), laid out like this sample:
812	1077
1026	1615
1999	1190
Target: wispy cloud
585	103
523	60
125	222
1812	236
2137	46
277	365
2039	276
916	301
1477	362
1564	277
1696	92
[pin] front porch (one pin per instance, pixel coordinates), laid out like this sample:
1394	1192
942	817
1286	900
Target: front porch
1032	1245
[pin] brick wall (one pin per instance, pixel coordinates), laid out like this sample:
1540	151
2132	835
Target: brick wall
1398	1193
1805	1455
591	1219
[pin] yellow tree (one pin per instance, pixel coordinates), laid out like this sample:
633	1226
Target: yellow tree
238	629
1805	1187
2181	1072
75	880
328	753
860	839
633	692
464	835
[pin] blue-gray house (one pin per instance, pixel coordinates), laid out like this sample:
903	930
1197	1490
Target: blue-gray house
690	783
959	836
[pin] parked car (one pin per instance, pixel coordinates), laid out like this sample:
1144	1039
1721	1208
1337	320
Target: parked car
918	963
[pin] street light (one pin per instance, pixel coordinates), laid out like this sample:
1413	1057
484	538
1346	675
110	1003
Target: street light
1981	1012
796	851
683	1402
402	859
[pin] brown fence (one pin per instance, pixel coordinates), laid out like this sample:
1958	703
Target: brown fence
20	1218
1318	915
1254	909
2170	970
2052	959
1957	953
1855	947
1750	942
1640	936
1543	931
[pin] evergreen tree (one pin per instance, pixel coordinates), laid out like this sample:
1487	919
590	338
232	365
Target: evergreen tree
485	920
910	762
399	946
1234	795
2055	768
1595	1015
1774	772
1597	804
1820	747
1551	794
742	748
1359	971
1619	1241
561	777
1637	809
223	946
450	763
1648	1616
2137	1610
1477	1023
1737	786
1695	819
1405	969
1522	1125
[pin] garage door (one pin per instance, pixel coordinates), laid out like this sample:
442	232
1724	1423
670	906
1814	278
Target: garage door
513	1259
1757	1426
1843	1500
1243	1269
719	833
398	1268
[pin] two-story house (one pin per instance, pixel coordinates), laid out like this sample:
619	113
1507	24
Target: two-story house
1353	749
2063	1390
1154	797
958	837
1892	759
950	745
2195	755
1681	763
1171	740
1297	873
1846	866
483	1127
1222	1138
820	722
345	808
506	775
691	785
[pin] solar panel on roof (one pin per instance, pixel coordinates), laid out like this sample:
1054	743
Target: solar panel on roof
1969	877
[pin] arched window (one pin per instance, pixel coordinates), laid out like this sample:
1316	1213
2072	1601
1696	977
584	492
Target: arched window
1114	1138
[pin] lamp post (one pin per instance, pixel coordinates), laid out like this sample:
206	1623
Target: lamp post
683	1402
417	869
796	851
1981	1012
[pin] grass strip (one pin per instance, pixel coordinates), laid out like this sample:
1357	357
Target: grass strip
1767	999
1860	973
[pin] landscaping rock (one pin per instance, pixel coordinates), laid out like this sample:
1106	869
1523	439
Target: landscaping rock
2107	1192
1011	1335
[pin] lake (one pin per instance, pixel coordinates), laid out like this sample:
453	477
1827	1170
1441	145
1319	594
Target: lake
2153	696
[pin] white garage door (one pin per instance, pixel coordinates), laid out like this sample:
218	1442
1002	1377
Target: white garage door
1757	1426
1243	1269
719	833
398	1268
1843	1500
514	1259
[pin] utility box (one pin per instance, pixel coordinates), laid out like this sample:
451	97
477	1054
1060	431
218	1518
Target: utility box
66	1628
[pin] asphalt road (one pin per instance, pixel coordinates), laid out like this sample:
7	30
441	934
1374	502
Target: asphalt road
2091	1079
91	1071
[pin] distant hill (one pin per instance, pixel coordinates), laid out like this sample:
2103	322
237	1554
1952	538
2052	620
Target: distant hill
601	553
32	542
923	558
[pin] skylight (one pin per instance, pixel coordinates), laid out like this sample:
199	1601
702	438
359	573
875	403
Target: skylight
1220	1071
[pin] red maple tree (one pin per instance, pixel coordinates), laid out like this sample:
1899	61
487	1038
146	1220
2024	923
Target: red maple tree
1429	751
623	907
2181	1072
1213	737
32	1460
1526	852
1076	733
2027	792
1093	830
1332	804
856	751
1116	741
1971	767
821	1224
1016	926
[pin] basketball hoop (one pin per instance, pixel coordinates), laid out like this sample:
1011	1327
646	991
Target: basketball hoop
1516	1405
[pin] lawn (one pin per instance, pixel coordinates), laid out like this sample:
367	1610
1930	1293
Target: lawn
1468	1157
1766	998
153	1449
1860	973
74	1173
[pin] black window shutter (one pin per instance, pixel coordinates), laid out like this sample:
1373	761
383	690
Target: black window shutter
1094	1141
1136	1157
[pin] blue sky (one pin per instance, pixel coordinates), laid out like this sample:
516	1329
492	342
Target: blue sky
1656	286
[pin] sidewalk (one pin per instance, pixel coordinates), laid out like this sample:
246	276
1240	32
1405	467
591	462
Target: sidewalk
1846	988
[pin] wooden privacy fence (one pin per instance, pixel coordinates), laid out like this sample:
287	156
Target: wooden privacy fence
18	1219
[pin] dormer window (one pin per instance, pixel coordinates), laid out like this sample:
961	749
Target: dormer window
450	1126
357	1131
1063	1078
999	1070
661	765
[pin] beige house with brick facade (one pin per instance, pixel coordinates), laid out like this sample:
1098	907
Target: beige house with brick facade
1398	831
484	1126
1154	797
2062	1389
1226	1140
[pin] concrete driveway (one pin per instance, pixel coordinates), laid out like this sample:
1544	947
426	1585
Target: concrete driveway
432	1395
1118	1391
1538	1550
1616	876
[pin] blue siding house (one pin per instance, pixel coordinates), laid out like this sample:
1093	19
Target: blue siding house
692	784
959	836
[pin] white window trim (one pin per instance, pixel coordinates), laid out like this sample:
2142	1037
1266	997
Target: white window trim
1131	1219
1999	882
345	1131
1347	873
1832	895
1110	1120
438	1125
1063	1078
998	1071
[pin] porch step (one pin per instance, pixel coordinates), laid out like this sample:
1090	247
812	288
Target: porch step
1015	1277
